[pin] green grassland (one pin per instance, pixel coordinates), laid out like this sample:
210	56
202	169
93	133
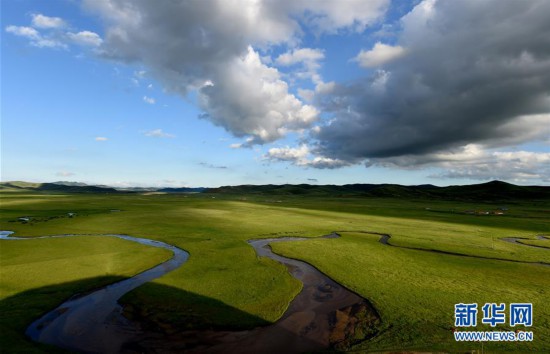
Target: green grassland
414	290
37	275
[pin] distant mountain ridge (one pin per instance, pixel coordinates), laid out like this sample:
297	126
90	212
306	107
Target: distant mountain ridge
66	183
55	187
79	187
491	191
494	190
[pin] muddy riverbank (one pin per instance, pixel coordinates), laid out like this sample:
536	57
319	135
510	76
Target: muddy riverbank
323	315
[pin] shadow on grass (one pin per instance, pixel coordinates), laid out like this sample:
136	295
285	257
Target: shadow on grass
18	311
166	319
168	308
187	322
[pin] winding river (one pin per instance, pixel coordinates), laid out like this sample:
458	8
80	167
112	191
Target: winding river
517	240
93	323
323	314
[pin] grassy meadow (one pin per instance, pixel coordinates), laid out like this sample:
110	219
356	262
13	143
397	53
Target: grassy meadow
37	275
414	290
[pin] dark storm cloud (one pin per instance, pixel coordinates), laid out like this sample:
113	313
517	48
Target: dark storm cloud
472	72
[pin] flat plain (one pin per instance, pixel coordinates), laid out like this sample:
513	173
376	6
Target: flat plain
440	253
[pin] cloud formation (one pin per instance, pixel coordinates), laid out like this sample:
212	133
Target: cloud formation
379	55
308	58
42	21
35	38
85	38
192	46
484	83
303	156
456	85
336	16
475	162
158	133
101	138
299	56
49	32
251	100
149	100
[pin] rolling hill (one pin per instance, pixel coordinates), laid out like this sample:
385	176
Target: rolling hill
490	191
494	190
54	187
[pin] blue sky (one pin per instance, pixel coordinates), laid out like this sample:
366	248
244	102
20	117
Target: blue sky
216	93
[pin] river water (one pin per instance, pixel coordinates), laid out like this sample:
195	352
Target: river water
322	315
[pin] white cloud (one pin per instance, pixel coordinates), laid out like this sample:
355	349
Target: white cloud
36	39
85	38
474	161
379	55
299	56
23	31
46	33
149	100
302	156
49	43
158	133
327	162
333	16
42	21
101	138
308	58
516	166
297	155
250	99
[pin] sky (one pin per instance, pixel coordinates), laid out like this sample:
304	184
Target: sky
219	92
